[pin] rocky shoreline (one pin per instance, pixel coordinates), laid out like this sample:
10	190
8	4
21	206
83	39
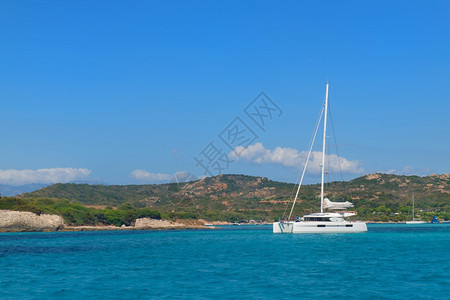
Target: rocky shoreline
20	221
23	221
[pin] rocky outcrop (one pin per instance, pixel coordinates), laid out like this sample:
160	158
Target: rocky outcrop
153	223
372	176
147	223
18	221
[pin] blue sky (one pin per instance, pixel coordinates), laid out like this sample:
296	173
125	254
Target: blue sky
95	90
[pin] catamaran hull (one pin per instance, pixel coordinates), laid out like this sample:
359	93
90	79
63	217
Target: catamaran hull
319	227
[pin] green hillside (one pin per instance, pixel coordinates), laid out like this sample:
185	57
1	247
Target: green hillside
76	214
377	197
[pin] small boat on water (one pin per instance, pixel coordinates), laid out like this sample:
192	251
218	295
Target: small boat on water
414	221
436	221
321	222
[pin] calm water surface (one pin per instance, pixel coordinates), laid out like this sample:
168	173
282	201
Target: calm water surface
388	262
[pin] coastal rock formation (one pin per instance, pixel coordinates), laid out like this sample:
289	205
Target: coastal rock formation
143	223
18	221
148	223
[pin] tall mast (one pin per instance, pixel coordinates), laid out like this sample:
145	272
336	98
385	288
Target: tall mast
323	148
413	207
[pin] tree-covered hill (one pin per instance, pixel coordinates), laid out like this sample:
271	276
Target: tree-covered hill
377	197
76	214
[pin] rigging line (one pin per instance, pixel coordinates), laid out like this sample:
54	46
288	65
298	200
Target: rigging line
307	159
335	142
319	118
291	194
328	168
331	174
330	171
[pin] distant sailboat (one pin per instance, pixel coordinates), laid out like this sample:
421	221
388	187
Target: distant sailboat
323	222
414	221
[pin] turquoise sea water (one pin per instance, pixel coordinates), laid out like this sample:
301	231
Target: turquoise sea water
388	262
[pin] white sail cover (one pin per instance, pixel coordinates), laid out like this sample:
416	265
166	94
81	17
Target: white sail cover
337	205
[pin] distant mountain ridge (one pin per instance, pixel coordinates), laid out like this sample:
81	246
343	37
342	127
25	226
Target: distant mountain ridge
7	190
13	190
386	192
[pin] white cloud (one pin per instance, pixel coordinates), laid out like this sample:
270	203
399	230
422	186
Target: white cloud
183	176
54	175
148	177
408	171
292	158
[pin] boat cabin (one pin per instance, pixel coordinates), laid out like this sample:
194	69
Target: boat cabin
324	217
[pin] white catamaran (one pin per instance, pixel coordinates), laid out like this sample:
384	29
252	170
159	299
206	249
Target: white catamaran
323	222
414	221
